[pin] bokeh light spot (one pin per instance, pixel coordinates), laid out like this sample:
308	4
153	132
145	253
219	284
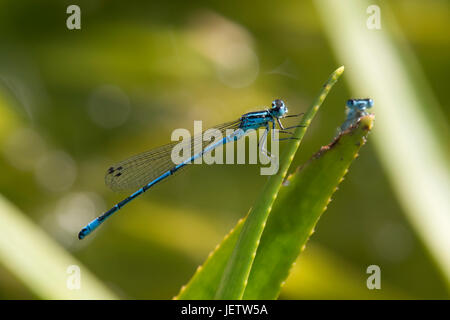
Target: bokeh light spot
23	147
56	171
109	106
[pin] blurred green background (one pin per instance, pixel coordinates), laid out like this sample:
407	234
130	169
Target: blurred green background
73	102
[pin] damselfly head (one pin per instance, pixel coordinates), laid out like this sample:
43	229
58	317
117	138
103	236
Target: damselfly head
360	104
278	109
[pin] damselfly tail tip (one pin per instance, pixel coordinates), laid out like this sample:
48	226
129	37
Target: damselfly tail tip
83	233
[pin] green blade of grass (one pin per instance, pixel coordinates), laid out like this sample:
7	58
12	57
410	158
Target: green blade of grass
234	278
203	285
299	205
228	279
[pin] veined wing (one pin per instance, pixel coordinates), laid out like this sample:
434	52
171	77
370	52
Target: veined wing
137	171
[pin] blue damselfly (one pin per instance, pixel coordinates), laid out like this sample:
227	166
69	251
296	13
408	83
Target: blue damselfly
147	169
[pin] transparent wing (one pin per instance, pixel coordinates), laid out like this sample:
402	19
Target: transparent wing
140	169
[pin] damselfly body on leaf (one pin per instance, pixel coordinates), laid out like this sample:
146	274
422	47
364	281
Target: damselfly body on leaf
147	169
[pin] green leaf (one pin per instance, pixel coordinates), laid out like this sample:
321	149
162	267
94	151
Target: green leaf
299	205
234	278
292	220
238	255
203	285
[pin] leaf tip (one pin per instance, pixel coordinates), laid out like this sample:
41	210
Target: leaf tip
366	122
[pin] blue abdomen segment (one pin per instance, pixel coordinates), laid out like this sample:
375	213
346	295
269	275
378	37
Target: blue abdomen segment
89	228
